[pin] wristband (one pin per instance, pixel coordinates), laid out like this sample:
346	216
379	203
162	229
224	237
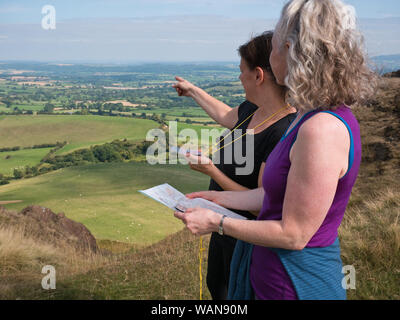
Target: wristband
221	226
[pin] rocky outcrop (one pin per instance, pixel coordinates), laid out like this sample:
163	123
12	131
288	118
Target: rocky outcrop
49	227
377	152
394	74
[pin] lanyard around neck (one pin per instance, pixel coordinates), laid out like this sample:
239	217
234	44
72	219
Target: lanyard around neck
267	119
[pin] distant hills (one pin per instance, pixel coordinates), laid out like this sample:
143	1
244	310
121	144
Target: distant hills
387	63
383	64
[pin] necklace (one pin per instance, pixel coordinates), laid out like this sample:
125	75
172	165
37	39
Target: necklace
287	107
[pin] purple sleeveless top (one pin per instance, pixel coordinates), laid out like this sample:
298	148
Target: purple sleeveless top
268	276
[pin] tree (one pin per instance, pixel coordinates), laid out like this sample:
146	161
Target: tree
18	174
106	153
48	107
28	170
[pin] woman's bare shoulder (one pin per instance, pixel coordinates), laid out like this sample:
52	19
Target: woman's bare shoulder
323	125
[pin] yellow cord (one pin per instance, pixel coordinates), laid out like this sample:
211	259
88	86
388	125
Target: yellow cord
201	249
267	119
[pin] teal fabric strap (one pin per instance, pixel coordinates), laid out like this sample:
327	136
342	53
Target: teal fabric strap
239	287
316	273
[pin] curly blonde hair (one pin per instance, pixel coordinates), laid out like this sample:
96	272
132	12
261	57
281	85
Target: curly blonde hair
327	65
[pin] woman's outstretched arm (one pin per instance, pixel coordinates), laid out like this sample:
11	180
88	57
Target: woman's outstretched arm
217	110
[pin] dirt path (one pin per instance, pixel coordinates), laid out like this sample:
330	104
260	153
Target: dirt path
12	201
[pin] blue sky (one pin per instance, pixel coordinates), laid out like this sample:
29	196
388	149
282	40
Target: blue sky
163	30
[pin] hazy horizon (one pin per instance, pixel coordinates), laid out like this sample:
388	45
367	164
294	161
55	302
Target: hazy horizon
147	31
144	62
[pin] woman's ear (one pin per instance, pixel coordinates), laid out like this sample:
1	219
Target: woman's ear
260	75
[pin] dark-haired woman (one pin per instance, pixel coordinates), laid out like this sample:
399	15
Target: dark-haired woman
268	114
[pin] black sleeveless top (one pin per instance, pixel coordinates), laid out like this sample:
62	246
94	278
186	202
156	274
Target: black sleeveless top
264	143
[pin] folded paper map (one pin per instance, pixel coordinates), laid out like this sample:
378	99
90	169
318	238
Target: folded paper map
173	199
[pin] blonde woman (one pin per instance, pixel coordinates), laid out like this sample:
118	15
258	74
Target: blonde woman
308	178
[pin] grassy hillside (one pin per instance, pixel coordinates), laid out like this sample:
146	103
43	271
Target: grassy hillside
166	270
169	269
370	231
370	241
105	198
21	158
78	131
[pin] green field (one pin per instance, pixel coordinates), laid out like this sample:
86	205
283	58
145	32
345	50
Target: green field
174	112
21	158
78	131
198	128
105	198
32	106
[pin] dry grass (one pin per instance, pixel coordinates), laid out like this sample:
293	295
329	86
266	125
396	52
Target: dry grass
20	253
23	256
370	241
166	270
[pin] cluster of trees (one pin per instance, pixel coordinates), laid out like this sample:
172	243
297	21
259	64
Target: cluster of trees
57	145
31	171
116	151
4	179
26	172
10	149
